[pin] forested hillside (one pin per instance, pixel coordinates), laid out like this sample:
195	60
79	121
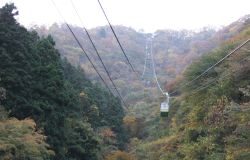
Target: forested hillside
55	106
173	50
49	109
210	117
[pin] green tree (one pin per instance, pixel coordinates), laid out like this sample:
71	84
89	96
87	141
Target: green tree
81	143
102	33
92	102
52	98
31	73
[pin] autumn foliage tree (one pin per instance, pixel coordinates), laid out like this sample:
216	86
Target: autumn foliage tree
134	126
121	155
20	140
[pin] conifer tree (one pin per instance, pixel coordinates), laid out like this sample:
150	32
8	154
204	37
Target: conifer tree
30	70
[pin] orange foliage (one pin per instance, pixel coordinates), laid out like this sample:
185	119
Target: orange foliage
119	155
170	148
108	136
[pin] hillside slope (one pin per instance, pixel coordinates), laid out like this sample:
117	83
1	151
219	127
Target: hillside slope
191	131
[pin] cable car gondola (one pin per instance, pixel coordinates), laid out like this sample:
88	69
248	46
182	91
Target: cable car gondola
165	107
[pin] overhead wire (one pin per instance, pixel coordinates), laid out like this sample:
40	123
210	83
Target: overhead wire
144	93
154	71
214	79
217	78
99	56
83	50
144	68
129	61
212	66
117	39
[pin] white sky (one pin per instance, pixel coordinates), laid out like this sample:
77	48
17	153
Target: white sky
148	14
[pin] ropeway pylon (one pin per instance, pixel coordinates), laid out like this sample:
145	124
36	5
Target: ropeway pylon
147	76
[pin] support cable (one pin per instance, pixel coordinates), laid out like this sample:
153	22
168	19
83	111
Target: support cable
154	71
117	39
99	56
217	78
212	66
83	50
145	63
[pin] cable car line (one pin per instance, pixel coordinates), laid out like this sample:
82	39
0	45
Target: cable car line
144	68
215	79
167	95
152	57
164	105
87	55
212	66
117	38
99	56
154	71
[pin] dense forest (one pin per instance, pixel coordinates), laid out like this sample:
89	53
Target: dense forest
53	104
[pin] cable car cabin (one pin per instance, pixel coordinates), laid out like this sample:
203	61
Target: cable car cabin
165	106
164	109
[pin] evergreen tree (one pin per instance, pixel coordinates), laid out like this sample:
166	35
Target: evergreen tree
15	67
115	119
81	144
31	73
109	108
53	98
102	33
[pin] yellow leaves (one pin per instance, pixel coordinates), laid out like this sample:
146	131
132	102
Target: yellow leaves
19	139
172	56
84	96
236	153
93	110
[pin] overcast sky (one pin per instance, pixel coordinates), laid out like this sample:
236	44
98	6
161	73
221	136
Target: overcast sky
148	14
